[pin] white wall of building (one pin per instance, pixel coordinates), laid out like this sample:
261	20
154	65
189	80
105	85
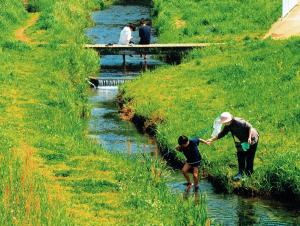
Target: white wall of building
287	5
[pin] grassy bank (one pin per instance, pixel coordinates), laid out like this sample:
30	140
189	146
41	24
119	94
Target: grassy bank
50	173
11	17
213	21
256	80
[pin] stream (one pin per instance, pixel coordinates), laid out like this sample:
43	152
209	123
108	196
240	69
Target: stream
116	135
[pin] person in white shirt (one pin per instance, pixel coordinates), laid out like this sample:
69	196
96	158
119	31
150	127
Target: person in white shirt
126	35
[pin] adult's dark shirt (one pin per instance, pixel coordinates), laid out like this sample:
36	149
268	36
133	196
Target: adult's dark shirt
145	34
191	152
239	128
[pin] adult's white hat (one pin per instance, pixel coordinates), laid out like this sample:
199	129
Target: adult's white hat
226	117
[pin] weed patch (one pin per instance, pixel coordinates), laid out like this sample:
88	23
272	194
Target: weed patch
92	186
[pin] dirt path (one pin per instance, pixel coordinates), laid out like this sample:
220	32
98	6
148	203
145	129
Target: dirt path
287	26
20	33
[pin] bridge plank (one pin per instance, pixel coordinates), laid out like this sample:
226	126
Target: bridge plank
116	49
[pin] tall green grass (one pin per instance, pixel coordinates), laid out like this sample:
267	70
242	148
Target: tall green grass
213	21
129	191
151	197
26	199
11	16
255	80
50	173
24	192
59	19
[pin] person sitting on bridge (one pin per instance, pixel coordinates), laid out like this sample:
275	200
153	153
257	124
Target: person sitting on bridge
126	35
144	34
189	147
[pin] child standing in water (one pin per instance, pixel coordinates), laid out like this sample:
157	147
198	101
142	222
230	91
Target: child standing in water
189	147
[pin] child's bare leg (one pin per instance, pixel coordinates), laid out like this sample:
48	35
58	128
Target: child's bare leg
185	170
196	176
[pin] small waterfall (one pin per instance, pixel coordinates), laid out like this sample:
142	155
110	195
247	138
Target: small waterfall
96	82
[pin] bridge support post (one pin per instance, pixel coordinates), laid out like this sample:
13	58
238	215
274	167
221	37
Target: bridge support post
174	57
124	59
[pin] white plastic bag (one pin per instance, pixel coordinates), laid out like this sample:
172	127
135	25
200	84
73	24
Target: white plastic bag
217	127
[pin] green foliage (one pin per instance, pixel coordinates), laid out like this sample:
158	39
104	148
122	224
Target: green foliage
11	14
92	186
40	5
213	21
281	176
19	193
54	157
150	197
37	97
15	45
46	20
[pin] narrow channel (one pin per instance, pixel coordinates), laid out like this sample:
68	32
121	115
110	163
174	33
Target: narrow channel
115	134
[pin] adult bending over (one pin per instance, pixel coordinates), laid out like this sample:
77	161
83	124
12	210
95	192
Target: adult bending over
246	146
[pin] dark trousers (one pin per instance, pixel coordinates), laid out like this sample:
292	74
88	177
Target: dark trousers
246	159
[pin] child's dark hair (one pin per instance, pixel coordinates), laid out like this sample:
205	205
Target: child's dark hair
142	21
182	139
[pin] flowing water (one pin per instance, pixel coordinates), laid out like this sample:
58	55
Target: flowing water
117	135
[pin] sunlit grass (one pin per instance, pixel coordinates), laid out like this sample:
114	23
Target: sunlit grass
256	80
50	173
213	21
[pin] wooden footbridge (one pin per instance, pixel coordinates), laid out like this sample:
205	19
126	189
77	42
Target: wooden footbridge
151	49
173	51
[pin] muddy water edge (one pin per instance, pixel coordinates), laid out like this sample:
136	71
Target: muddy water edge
117	135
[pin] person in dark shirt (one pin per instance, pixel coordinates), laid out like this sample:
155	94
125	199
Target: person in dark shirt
144	34
189	147
247	145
